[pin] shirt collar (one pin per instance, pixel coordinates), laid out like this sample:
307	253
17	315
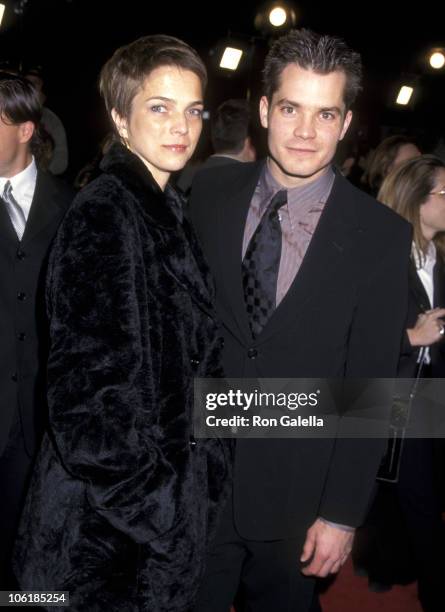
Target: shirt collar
23	183
424	261
299	198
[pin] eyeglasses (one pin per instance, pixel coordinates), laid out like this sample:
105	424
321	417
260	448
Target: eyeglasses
440	193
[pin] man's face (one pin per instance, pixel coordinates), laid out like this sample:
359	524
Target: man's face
11	148
305	119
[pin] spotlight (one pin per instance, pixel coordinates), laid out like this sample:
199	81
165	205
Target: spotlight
404	95
2	11
437	60
274	18
230	58
278	16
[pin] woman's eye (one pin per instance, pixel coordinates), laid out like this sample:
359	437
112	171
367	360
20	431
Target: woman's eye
158	108
196	112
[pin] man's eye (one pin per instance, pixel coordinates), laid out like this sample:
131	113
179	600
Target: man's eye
287	110
158	108
327	115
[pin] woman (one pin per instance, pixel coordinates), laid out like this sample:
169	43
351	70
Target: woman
123	499
416	190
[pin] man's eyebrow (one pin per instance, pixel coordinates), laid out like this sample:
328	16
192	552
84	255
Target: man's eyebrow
322	109
335	109
287	101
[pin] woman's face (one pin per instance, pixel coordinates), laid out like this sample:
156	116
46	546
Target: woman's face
432	211
165	121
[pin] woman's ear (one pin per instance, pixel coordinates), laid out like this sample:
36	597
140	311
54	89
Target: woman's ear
121	124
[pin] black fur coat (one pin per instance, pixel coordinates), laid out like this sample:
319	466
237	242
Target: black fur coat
123	500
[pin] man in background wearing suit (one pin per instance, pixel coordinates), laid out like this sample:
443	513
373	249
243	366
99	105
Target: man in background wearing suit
32	205
331	305
230	134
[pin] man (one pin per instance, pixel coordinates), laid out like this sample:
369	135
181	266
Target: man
231	141
335	308
31	208
230	134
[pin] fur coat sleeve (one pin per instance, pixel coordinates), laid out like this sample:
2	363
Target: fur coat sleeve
95	359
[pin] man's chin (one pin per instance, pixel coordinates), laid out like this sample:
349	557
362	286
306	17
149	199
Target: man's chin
301	171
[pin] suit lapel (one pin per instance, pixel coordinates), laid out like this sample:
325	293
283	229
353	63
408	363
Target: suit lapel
439	282
335	234
232	214
417	289
6	228
45	208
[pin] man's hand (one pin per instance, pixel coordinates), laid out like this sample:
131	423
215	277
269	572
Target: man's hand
327	547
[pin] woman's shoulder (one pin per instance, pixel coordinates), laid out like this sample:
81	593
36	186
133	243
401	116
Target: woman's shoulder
105	191
103	204
99	213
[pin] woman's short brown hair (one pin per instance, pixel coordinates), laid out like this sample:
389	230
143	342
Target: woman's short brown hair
125	72
406	188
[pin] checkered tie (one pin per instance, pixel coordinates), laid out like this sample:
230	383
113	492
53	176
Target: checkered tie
260	266
14	210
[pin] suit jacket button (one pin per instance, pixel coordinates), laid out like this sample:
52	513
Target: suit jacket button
14	377
21	296
192	442
21	254
21	336
252	353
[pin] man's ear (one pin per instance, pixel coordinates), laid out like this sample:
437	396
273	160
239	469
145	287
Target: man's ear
346	124
120	123
26	131
249	151
264	112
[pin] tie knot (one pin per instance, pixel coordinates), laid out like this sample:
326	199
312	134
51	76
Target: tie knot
279	200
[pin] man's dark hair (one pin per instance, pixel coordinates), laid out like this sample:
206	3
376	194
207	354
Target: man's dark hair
230	126
312	51
19	102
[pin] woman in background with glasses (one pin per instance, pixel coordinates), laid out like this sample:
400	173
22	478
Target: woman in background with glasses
408	512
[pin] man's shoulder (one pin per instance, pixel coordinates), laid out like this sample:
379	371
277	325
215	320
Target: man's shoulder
226	174
372	214
60	191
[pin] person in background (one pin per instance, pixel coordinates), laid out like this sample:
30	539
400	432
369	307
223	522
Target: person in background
405	521
32	205
231	141
124	500
52	124
389	154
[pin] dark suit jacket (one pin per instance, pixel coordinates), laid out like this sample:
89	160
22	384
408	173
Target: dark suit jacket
23	329
342	317
187	175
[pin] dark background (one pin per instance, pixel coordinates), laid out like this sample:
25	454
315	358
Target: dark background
71	39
